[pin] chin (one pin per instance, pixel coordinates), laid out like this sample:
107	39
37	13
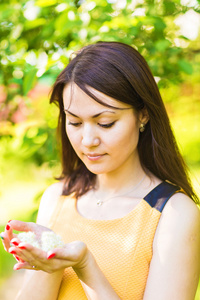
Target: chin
96	169
99	170
96	172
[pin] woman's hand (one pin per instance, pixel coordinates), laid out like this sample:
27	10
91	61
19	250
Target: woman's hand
8	236
73	254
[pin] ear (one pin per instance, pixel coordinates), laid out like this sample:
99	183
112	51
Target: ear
143	116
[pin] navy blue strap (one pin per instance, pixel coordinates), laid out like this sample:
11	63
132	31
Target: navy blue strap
159	196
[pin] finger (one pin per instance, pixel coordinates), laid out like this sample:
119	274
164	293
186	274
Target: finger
12	250
30	257
21	251
33	262
28	226
5	240
25	265
29	253
25	259
22	226
73	252
9	231
15	241
18	258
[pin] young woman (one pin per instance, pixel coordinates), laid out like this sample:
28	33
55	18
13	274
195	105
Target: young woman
124	205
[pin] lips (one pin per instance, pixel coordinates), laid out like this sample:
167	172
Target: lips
94	156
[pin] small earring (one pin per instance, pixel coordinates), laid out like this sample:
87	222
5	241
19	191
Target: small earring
142	127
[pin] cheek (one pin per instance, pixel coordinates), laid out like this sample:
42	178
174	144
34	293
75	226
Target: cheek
125	136
73	137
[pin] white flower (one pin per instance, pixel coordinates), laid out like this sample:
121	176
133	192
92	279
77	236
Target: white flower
49	240
29	237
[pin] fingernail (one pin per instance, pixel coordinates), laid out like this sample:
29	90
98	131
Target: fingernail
7	227
15	243
22	247
9	221
16	267
12	252
17	257
51	255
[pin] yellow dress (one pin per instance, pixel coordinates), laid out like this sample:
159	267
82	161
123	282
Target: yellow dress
122	247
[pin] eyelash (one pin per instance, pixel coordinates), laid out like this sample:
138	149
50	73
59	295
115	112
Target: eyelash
107	125
102	125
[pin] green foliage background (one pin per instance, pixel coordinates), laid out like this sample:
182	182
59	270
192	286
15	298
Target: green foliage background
37	37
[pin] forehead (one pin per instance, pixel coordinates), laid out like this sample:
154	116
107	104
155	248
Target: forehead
74	97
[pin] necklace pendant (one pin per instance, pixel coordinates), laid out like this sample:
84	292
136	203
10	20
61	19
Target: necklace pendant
99	203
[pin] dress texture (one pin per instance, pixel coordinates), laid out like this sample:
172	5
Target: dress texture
122	247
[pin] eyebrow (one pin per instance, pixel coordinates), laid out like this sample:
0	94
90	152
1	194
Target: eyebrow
95	116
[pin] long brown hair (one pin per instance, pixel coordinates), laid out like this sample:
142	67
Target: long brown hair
119	71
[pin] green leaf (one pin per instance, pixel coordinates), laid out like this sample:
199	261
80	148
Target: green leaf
29	80
159	24
64	25
170	7
35	23
185	66
162	45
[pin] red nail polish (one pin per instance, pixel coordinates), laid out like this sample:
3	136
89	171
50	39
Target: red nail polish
22	247
9	221
15	243
12	252
7	227
51	255
17	257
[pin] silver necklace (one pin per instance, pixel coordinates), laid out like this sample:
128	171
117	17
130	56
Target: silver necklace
100	202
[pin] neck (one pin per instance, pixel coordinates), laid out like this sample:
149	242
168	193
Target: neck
120	181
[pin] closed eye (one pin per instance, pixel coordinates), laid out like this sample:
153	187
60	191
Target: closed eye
74	124
107	125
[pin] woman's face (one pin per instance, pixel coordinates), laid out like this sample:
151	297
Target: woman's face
104	138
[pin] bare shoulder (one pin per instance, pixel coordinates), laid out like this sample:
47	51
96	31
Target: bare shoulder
183	203
180	217
176	249
180	211
48	202
53	190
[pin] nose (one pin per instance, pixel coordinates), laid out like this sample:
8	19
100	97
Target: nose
89	136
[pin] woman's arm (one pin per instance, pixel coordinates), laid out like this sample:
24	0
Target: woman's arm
45	285
94	282
175	266
38	284
74	254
